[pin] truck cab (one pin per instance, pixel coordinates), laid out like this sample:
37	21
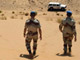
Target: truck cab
56	5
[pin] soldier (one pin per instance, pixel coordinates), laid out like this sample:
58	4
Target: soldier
68	28
32	26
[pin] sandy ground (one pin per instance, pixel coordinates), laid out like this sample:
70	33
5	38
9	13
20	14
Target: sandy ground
12	42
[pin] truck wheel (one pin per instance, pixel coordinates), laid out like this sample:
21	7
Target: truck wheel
50	9
63	9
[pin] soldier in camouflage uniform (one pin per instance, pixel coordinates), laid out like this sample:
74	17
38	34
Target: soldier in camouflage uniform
32	26
67	27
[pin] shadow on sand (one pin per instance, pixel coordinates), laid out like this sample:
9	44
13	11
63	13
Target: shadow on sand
58	54
28	56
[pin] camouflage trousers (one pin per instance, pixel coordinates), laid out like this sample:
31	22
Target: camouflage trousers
68	40
29	38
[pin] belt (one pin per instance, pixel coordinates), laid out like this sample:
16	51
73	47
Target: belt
69	35
32	33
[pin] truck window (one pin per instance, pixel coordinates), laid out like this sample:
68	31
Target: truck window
50	4
58	4
54	5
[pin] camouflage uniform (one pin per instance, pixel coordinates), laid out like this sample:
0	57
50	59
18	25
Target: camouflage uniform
32	26
69	30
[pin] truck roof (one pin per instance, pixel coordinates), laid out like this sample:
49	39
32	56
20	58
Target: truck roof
54	3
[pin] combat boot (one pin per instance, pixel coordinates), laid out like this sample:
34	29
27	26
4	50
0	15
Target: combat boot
34	53
65	49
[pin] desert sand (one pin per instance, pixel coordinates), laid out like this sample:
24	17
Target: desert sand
12	42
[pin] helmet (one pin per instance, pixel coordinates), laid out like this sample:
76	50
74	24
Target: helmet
69	12
33	12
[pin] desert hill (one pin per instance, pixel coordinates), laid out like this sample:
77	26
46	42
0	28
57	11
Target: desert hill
39	5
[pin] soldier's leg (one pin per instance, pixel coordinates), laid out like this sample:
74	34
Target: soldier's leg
34	46
70	43
35	39
65	45
28	41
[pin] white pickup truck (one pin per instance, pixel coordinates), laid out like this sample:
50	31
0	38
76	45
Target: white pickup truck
57	6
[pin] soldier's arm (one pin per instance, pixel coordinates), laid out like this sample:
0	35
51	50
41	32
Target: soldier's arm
75	37
25	29
24	32
75	33
40	32
61	26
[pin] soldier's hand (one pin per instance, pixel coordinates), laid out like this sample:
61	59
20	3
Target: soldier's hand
24	34
75	39
40	37
61	30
